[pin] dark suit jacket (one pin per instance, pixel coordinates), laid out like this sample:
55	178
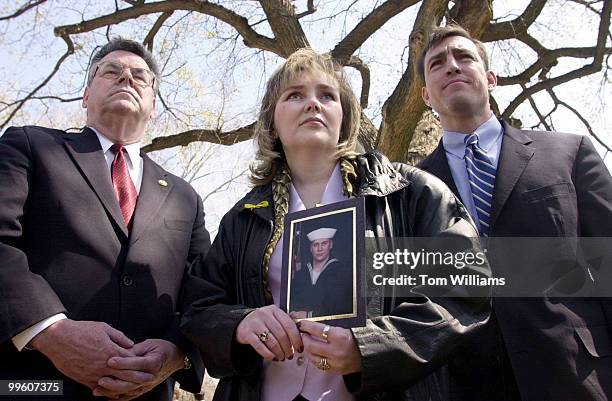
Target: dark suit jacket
64	248
547	185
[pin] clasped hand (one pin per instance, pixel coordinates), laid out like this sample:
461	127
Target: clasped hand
105	360
153	361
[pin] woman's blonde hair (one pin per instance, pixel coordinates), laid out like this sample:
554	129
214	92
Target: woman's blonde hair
270	164
270	158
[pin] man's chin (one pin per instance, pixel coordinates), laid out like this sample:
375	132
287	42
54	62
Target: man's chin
122	106
464	105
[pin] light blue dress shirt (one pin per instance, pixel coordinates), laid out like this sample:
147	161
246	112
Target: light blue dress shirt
490	136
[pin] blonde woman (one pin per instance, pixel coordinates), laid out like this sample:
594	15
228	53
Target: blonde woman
306	136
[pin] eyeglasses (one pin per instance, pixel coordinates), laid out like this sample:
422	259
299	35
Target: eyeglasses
114	70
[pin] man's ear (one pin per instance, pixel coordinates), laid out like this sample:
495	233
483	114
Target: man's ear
85	98
425	96
331	244
491	81
154	112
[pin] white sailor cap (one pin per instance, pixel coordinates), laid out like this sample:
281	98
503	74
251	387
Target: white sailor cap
321	233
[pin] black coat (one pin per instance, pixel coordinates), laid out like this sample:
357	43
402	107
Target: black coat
547	185
64	248
403	341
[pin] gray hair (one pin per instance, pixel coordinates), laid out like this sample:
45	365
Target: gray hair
117	44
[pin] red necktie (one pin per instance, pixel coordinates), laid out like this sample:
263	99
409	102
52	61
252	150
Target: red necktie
123	185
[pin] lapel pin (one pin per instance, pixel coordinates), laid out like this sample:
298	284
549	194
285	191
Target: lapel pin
163	183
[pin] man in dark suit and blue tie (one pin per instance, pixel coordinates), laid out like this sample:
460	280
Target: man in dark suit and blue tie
95	244
519	183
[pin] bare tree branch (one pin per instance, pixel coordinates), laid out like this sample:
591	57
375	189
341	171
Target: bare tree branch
364	70
224	185
168	108
148	40
367	26
311	9
583	120
288	32
516	27
20	103
251	38
49	97
201	135
28	6
549	59
475	22
134	2
535	109
334	15
588	4
588	69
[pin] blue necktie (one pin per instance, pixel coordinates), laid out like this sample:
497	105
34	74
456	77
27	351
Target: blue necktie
481	173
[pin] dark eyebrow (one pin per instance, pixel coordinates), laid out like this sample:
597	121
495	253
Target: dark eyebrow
462	50
439	55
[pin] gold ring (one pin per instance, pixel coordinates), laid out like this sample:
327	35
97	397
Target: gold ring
325	333
323	364
264	336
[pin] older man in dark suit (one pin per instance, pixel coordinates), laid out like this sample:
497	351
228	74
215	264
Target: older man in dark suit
519	183
95	240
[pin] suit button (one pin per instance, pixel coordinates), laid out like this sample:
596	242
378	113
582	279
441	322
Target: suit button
127	280
300	361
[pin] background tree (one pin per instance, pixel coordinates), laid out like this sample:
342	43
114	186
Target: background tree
243	35
552	58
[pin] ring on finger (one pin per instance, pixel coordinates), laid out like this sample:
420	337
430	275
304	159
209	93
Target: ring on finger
323	364
325	333
263	337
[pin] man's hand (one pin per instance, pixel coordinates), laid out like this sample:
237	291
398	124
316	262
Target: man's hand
81	349
153	362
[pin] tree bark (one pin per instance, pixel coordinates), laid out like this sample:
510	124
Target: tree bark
403	109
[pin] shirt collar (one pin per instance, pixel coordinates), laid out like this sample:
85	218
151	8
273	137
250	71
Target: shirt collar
334	192
133	149
488	133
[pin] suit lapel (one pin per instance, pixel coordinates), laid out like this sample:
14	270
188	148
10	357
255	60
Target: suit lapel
439	167
155	187
514	156
86	152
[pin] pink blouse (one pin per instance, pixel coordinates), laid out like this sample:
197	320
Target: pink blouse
283	381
